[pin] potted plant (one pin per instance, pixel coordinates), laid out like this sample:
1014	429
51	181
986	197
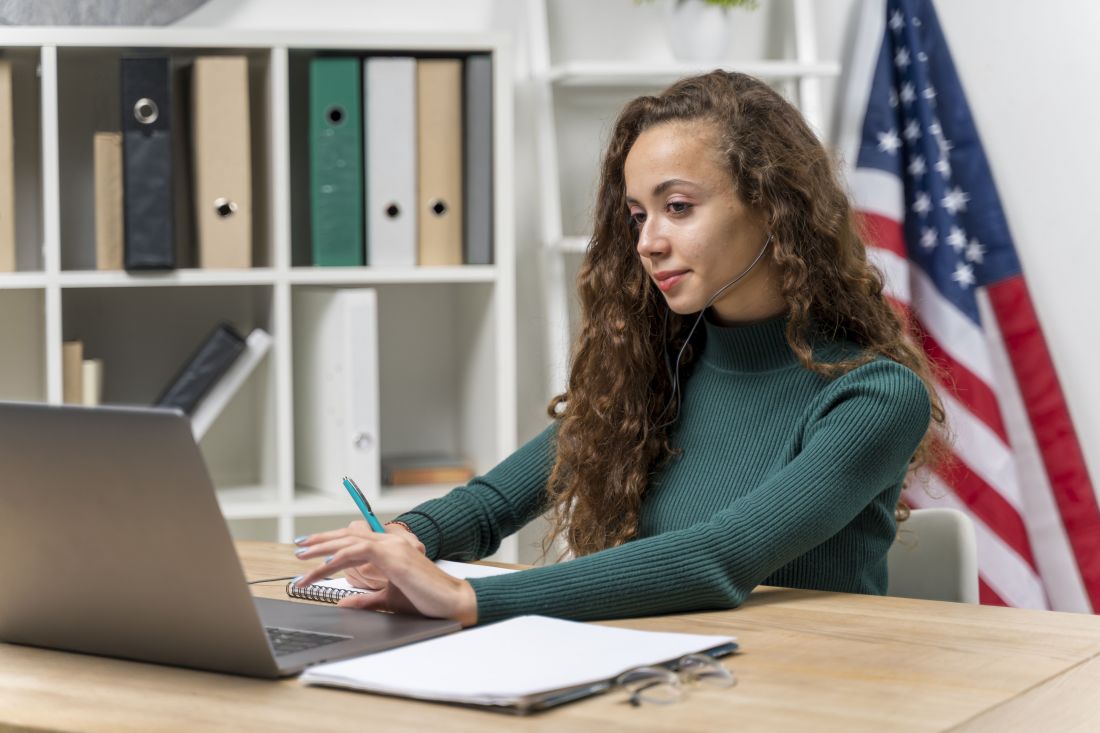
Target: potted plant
700	30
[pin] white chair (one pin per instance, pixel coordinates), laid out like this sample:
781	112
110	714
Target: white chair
934	557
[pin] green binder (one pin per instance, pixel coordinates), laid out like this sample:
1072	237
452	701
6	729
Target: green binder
336	161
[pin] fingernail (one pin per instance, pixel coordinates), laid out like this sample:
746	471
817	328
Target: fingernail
301	552
328	559
295	580
300	540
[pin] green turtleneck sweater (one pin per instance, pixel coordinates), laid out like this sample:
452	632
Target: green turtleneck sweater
785	478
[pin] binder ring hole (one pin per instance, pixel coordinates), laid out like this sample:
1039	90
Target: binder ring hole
335	115
393	211
225	207
439	208
146	111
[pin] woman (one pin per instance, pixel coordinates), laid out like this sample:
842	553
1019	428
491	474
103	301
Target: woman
743	404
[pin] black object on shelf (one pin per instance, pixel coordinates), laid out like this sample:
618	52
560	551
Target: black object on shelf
203	370
148	217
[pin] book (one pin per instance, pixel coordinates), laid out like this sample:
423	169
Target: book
107	155
335	357
256	346
478	160
7	170
221	130
521	665
91	382
336	161
389	93
147	151
72	372
439	138
334	589
203	369
412	469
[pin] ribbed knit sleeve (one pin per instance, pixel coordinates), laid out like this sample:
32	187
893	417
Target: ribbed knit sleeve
858	436
470	521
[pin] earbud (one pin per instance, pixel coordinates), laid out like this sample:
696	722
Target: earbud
675	376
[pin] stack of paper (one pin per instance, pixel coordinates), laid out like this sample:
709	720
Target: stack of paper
524	663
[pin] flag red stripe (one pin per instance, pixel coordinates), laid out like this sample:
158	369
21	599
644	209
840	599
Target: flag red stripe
969	389
989	506
986	594
881	231
1050	421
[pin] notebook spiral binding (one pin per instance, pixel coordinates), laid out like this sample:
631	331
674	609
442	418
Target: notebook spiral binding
317	593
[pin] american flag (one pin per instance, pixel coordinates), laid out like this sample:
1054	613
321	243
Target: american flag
936	229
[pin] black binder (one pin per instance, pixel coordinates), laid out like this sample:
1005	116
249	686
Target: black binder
203	370
148	225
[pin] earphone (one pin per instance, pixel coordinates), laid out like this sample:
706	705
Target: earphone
675	375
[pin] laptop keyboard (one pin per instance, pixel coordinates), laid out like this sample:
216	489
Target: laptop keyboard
290	641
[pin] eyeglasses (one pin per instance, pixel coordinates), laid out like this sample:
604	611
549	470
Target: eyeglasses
663	686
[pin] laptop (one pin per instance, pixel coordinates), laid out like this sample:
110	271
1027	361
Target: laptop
112	543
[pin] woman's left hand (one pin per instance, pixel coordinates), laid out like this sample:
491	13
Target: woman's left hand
415	585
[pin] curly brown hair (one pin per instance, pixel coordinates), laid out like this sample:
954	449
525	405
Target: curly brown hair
610	436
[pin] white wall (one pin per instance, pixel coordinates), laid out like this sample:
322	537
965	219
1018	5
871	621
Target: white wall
1028	70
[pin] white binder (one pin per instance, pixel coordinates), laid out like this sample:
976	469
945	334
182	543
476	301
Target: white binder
389	95
336	389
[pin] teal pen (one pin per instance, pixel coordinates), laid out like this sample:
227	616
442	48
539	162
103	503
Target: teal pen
364	505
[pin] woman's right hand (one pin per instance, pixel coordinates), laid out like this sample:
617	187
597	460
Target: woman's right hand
367	576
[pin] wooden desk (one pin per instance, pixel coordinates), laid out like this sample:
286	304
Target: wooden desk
811	661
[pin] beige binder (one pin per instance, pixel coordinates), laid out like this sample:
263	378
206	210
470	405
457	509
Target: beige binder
439	137
108	200
7	172
72	372
223	161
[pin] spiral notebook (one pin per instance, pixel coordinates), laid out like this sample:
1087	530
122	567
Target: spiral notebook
334	589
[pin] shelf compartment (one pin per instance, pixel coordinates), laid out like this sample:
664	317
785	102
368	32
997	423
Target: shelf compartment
145	335
22	345
393	500
88	102
437	364
263	529
249	502
439	376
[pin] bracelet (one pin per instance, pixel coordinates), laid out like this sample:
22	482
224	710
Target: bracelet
404	527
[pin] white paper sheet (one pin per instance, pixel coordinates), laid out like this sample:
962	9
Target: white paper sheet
502	663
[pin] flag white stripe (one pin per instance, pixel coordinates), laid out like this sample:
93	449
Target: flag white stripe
983	451
894	269
1004	571
878	192
955	333
1050	546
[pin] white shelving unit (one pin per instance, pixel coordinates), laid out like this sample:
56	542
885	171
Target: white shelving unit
145	325
804	71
